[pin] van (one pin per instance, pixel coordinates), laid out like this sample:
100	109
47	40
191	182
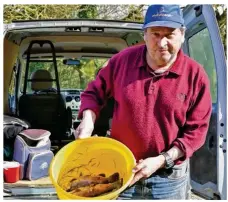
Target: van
74	50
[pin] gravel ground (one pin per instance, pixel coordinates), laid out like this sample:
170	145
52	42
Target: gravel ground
196	197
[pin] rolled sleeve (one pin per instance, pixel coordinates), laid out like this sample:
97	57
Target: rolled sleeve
197	122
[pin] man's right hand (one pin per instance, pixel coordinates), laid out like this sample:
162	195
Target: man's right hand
86	126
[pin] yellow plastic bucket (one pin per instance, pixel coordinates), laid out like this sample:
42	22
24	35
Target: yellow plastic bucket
93	155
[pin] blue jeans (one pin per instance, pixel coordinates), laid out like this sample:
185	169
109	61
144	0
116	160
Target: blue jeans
164	184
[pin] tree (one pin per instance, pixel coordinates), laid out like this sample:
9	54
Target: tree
221	15
87	11
112	12
135	13
34	12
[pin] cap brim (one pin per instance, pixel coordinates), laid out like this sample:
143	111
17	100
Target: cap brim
163	24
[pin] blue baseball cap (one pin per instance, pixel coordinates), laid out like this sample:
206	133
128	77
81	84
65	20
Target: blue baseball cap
164	16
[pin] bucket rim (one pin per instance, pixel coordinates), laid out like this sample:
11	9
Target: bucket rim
104	197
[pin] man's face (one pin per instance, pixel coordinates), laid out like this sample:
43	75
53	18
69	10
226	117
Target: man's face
163	43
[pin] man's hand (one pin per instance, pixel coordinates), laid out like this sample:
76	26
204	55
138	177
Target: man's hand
86	126
147	167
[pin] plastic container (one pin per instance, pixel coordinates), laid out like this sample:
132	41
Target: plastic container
11	171
93	155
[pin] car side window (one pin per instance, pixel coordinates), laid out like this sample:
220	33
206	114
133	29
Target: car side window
200	49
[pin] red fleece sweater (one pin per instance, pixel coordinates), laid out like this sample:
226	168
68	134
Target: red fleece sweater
153	112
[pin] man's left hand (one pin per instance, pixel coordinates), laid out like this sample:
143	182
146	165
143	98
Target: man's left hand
147	167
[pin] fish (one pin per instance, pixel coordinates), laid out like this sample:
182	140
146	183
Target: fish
98	189
88	180
66	182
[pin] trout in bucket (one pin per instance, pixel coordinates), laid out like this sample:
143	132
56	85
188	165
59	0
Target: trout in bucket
89	180
98	189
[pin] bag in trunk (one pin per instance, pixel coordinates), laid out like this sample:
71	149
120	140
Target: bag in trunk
32	149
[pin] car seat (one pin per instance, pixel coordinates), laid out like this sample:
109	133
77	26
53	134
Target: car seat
45	108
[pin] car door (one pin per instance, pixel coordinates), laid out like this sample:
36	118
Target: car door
203	43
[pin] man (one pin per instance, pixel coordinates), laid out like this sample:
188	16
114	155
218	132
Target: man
162	109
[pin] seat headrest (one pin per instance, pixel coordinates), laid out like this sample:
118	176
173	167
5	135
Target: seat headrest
41	85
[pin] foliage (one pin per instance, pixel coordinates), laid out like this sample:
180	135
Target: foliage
87	11
221	15
40	11
135	13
